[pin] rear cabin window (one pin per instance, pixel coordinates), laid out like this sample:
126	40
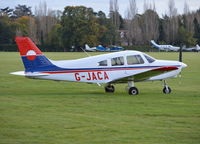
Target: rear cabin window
103	63
117	61
134	59
149	59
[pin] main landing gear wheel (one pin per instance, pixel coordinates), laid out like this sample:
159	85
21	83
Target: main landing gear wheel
110	89
167	90
133	91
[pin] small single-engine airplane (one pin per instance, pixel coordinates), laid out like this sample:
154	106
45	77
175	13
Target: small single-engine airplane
103	49
193	49
97	48
164	47
111	68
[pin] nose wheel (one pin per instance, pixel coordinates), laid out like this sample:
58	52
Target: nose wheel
166	89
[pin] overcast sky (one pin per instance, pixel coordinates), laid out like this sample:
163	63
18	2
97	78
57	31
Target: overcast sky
97	5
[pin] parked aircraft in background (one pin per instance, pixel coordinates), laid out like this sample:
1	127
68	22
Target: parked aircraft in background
116	48
164	47
97	48
103	49
108	69
193	49
87	48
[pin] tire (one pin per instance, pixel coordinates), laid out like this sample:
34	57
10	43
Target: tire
110	89
167	90
133	91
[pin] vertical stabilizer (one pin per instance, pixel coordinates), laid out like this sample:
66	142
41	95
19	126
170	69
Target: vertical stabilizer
33	59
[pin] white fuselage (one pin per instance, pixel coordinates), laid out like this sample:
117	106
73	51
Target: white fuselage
90	69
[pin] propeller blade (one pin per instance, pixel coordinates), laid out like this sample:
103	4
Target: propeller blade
180	54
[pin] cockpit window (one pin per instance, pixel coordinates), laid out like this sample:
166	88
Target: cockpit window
117	61
134	59
103	63
149	59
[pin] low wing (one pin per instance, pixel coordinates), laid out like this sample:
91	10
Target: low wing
146	75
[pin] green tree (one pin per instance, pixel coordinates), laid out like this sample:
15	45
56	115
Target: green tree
196	30
161	30
79	27
7	30
185	37
54	42
108	34
22	10
22	25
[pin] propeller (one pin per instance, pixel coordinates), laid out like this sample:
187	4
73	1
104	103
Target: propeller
180	54
180	60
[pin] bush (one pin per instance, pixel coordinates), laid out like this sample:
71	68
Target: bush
140	48
8	47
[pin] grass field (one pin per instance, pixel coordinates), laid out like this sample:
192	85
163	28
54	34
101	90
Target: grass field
48	112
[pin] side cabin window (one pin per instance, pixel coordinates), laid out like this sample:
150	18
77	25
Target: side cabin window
134	59
117	61
103	63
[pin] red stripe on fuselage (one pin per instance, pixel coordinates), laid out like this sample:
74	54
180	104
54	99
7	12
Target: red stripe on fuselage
167	68
71	71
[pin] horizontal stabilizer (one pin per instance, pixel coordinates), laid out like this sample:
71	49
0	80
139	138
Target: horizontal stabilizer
20	73
29	74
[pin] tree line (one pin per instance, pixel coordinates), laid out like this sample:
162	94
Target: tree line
75	26
172	28
56	30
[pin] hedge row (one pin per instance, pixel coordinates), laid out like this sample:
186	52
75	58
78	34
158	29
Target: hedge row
8	47
13	48
141	48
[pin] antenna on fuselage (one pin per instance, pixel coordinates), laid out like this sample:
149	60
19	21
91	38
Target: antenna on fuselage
85	52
